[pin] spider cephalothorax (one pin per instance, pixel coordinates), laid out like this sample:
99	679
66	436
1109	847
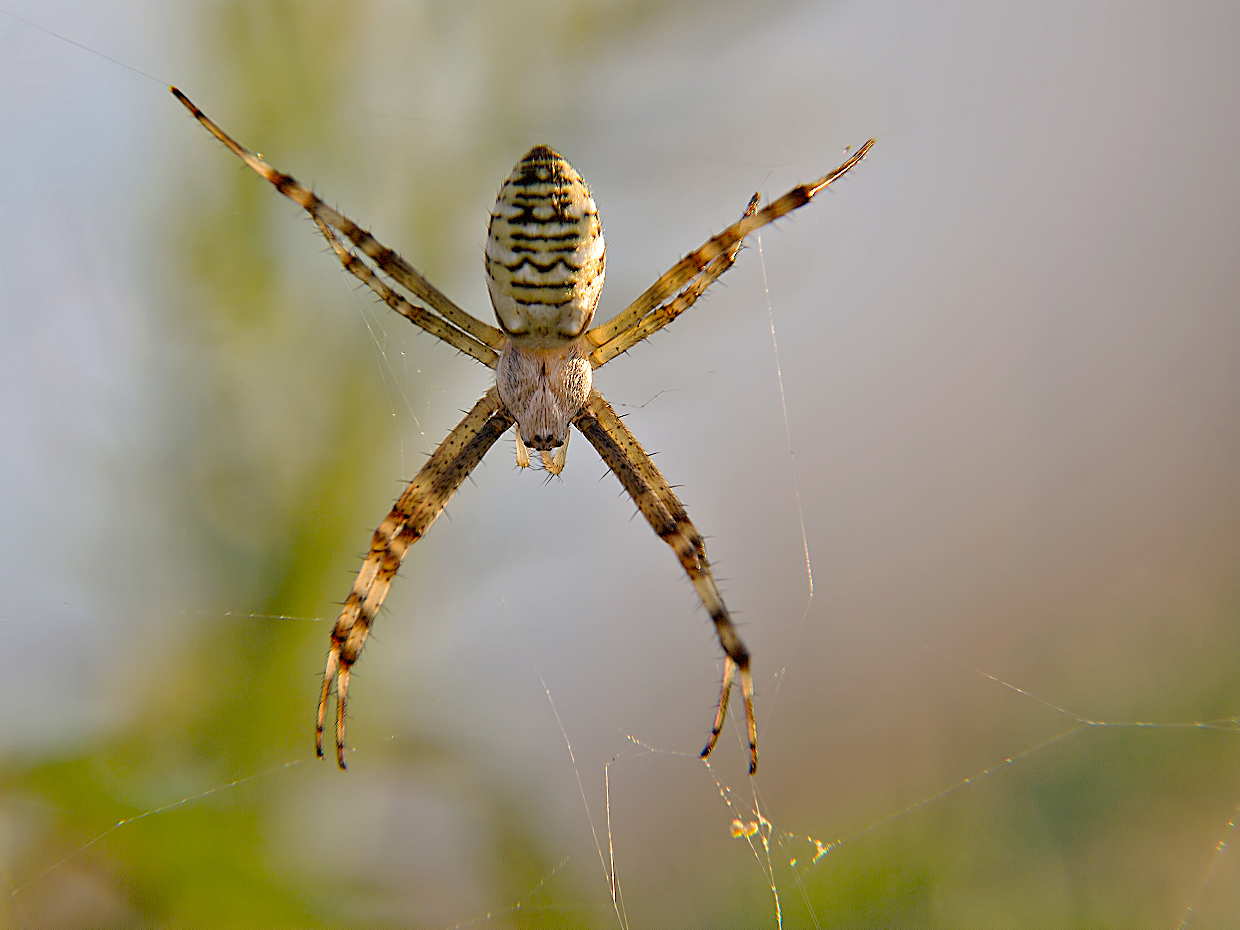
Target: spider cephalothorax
545	260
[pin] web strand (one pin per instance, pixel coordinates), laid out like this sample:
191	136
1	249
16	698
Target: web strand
608	873
783	406
517	907
1220	849
86	48
757	824
188	799
781	675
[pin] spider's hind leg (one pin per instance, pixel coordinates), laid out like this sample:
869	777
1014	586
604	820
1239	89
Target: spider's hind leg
657	502
329	675
348	637
408	521
730	667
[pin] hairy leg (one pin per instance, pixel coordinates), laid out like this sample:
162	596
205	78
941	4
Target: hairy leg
415	314
600	424
417	508
391	263
663	314
683	273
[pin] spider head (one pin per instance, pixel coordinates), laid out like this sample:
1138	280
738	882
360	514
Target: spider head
545	254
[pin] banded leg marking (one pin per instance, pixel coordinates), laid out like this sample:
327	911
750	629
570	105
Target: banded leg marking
428	321
665	313
693	264
391	262
409	519
600	424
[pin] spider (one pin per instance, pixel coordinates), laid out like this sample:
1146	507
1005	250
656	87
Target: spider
545	259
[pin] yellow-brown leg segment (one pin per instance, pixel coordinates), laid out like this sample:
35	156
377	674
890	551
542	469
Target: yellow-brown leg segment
675	279
464	326
663	314
411	312
600	424
417	508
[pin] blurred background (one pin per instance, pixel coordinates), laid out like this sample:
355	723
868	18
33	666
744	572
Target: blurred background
1009	345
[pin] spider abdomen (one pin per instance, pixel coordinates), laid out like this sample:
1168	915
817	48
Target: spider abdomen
545	254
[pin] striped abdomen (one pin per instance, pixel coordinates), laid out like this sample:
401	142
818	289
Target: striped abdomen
545	253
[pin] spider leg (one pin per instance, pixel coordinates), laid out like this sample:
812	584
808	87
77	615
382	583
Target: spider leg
417	508
415	314
725	692
663	314
391	263
600	424
680	278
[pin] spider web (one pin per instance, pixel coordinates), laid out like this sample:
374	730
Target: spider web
902	748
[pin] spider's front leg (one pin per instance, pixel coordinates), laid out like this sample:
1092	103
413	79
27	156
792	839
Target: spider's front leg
620	449
432	310
417	508
681	285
